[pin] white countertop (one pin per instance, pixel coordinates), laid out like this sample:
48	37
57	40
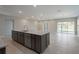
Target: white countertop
33	32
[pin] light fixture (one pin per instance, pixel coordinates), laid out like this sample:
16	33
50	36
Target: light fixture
34	5
20	11
32	16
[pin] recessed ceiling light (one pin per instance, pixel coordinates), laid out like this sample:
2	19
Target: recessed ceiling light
32	16
20	11
34	5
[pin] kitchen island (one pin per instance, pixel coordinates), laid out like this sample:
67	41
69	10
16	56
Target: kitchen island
33	40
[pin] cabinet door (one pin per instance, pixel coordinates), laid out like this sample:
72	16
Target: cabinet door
43	42
48	38
27	38
33	43
14	35
38	43
21	38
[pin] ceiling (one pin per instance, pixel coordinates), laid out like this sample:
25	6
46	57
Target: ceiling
41	12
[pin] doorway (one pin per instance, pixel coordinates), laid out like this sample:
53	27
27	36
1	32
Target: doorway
65	27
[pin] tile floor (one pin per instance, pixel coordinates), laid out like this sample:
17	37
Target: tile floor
59	44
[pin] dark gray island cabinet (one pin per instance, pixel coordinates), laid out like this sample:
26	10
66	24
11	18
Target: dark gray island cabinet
35	42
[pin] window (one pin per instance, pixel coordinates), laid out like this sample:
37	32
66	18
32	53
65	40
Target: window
46	27
78	26
65	27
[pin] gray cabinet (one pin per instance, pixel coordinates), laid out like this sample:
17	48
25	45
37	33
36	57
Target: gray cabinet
3	50
27	38
33	39
15	35
20	38
35	42
44	41
38	44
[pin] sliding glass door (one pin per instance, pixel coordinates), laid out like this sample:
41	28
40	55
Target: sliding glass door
78	27
65	27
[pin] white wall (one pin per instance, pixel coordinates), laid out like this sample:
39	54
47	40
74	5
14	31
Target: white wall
19	24
52	26
37	26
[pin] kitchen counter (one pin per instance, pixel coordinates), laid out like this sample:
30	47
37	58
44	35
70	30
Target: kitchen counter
32	32
33	40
